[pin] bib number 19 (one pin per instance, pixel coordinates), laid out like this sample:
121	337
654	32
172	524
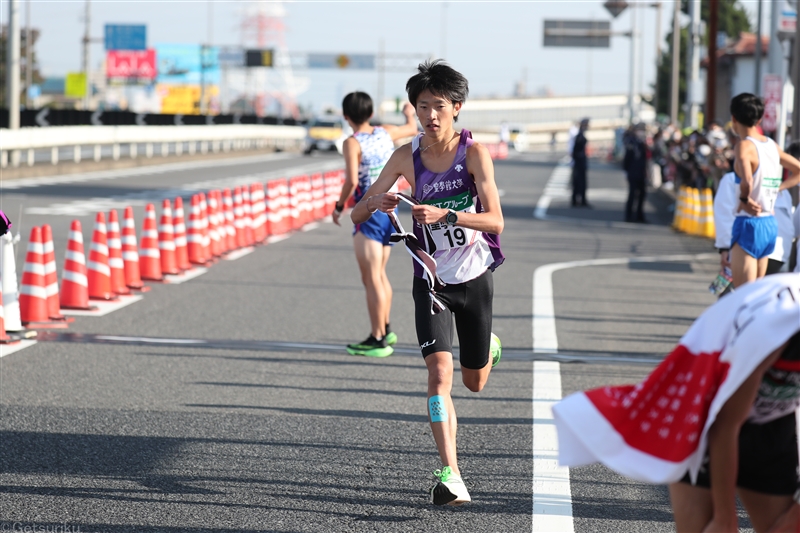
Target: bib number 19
458	234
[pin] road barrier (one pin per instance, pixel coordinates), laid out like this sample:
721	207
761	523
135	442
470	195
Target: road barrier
168	140
694	212
229	216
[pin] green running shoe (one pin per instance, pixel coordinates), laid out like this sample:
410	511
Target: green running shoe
450	489
390	338
370	347
496	349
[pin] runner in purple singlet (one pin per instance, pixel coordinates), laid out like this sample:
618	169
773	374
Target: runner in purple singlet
455	247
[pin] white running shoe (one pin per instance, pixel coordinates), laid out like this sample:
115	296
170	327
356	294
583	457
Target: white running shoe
450	489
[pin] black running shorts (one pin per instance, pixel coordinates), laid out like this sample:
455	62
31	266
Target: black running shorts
471	305
768	458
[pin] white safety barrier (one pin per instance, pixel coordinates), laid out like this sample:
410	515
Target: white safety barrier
183	139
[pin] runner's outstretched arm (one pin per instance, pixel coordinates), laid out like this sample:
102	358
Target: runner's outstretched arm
406	130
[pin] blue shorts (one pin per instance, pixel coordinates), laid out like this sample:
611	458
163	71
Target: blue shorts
378	228
755	235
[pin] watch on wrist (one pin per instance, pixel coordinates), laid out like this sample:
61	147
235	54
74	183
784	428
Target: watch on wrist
743	199
451	218
338	207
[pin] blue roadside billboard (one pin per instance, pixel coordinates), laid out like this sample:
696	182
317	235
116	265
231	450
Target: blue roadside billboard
125	37
181	64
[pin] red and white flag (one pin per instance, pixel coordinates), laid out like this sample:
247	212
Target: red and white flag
657	430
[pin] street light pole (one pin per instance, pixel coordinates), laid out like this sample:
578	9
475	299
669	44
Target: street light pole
28	54
757	81
86	42
632	88
676	66
12	65
693	67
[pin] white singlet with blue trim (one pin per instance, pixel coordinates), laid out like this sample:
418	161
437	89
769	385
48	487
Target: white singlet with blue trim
767	177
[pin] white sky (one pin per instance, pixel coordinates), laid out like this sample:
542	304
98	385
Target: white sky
492	43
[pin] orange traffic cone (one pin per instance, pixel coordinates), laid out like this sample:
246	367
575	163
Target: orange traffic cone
248	216
149	256
318	196
219	221
179	230
115	262
238	218
32	291
74	283
130	253
215	238
194	234
259	212
230	228
204	227
166	241
98	271
51	276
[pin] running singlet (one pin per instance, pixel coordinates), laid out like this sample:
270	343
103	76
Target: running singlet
461	254
376	149
767	177
779	392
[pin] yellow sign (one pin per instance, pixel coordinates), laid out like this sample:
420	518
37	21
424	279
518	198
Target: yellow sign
75	85
342	61
184	99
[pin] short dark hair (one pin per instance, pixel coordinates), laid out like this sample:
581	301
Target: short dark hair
440	79
357	106
794	149
747	109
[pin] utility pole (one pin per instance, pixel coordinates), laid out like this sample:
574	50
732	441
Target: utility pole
12	66
676	66
658	7
381	77
693	66
775	57
757	81
632	88
86	43
711	77
28	54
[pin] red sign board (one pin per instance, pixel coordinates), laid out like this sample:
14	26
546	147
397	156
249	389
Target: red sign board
131	66
773	94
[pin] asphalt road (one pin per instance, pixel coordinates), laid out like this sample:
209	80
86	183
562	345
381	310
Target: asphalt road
227	403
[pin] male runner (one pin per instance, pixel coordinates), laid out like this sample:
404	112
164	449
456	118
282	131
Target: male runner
365	154
758	164
457	219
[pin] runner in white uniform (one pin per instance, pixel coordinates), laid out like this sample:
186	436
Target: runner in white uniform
758	165
365	154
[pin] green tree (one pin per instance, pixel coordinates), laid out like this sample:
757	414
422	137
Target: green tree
732	20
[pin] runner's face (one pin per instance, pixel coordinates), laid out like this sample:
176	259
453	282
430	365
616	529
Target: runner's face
436	113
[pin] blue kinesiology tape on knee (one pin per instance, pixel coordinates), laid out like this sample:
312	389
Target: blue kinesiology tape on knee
437	409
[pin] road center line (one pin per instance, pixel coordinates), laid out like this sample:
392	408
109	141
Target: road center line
552	496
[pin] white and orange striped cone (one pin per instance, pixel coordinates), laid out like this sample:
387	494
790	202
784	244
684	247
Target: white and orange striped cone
74	283
115	262
149	255
179	230
258	210
247	217
8	278
4	338
166	240
51	276
204	228
194	234
214	237
97	269
130	253
230	228
238	218
318	196
222	222
32	290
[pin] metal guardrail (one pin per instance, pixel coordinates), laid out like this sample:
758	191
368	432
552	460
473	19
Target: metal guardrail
129	139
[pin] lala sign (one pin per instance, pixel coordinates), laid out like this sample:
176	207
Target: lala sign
131	64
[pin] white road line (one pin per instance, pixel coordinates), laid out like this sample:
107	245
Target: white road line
8	349
552	496
236	254
103	308
177	279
